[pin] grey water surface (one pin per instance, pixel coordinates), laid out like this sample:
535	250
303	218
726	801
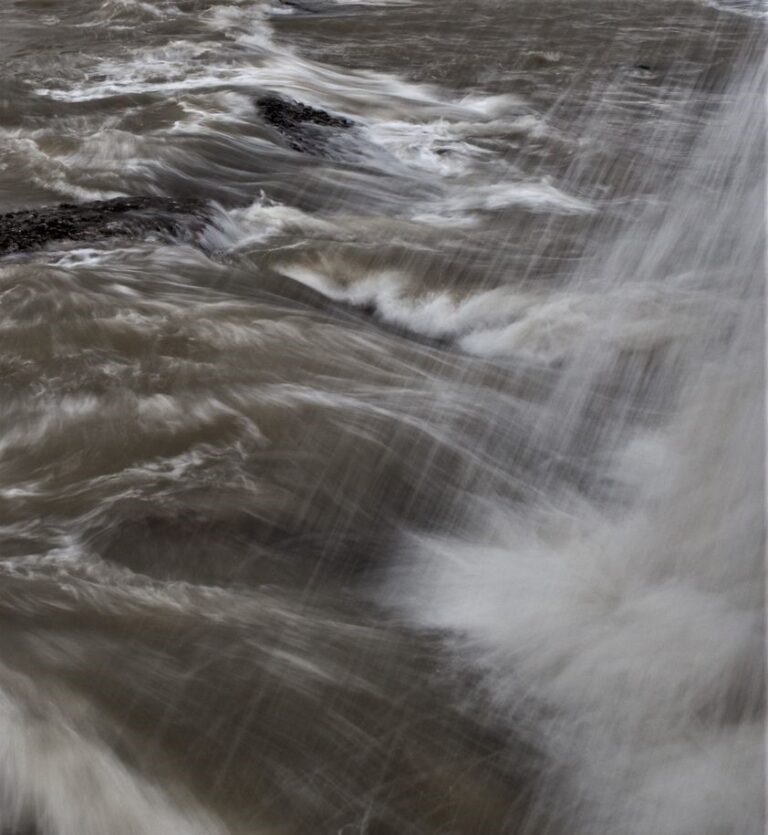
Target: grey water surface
391	461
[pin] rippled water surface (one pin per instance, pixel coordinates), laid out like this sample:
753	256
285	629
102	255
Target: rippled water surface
417	486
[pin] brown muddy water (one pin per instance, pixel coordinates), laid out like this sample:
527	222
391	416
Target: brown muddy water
381	423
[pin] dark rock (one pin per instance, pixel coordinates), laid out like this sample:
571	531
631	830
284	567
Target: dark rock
288	114
305	128
300	7
124	216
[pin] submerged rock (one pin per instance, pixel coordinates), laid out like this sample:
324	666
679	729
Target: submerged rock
305	128
123	216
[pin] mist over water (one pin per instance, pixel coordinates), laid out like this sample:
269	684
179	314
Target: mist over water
417	487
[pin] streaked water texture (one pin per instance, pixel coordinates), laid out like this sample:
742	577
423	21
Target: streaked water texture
417	487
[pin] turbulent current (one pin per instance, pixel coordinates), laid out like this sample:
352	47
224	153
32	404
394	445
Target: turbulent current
382	417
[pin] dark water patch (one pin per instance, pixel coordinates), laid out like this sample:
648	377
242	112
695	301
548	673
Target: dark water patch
26	828
232	548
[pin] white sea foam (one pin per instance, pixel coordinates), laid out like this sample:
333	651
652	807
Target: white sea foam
437	314
67	783
262	220
53	171
749	8
641	633
506	321
626	632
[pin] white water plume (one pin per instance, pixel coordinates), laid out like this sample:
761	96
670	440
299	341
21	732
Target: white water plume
627	632
52	773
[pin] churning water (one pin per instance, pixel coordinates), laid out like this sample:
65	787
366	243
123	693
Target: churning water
417	486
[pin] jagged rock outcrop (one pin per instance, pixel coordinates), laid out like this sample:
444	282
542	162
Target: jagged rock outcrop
306	129
132	217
